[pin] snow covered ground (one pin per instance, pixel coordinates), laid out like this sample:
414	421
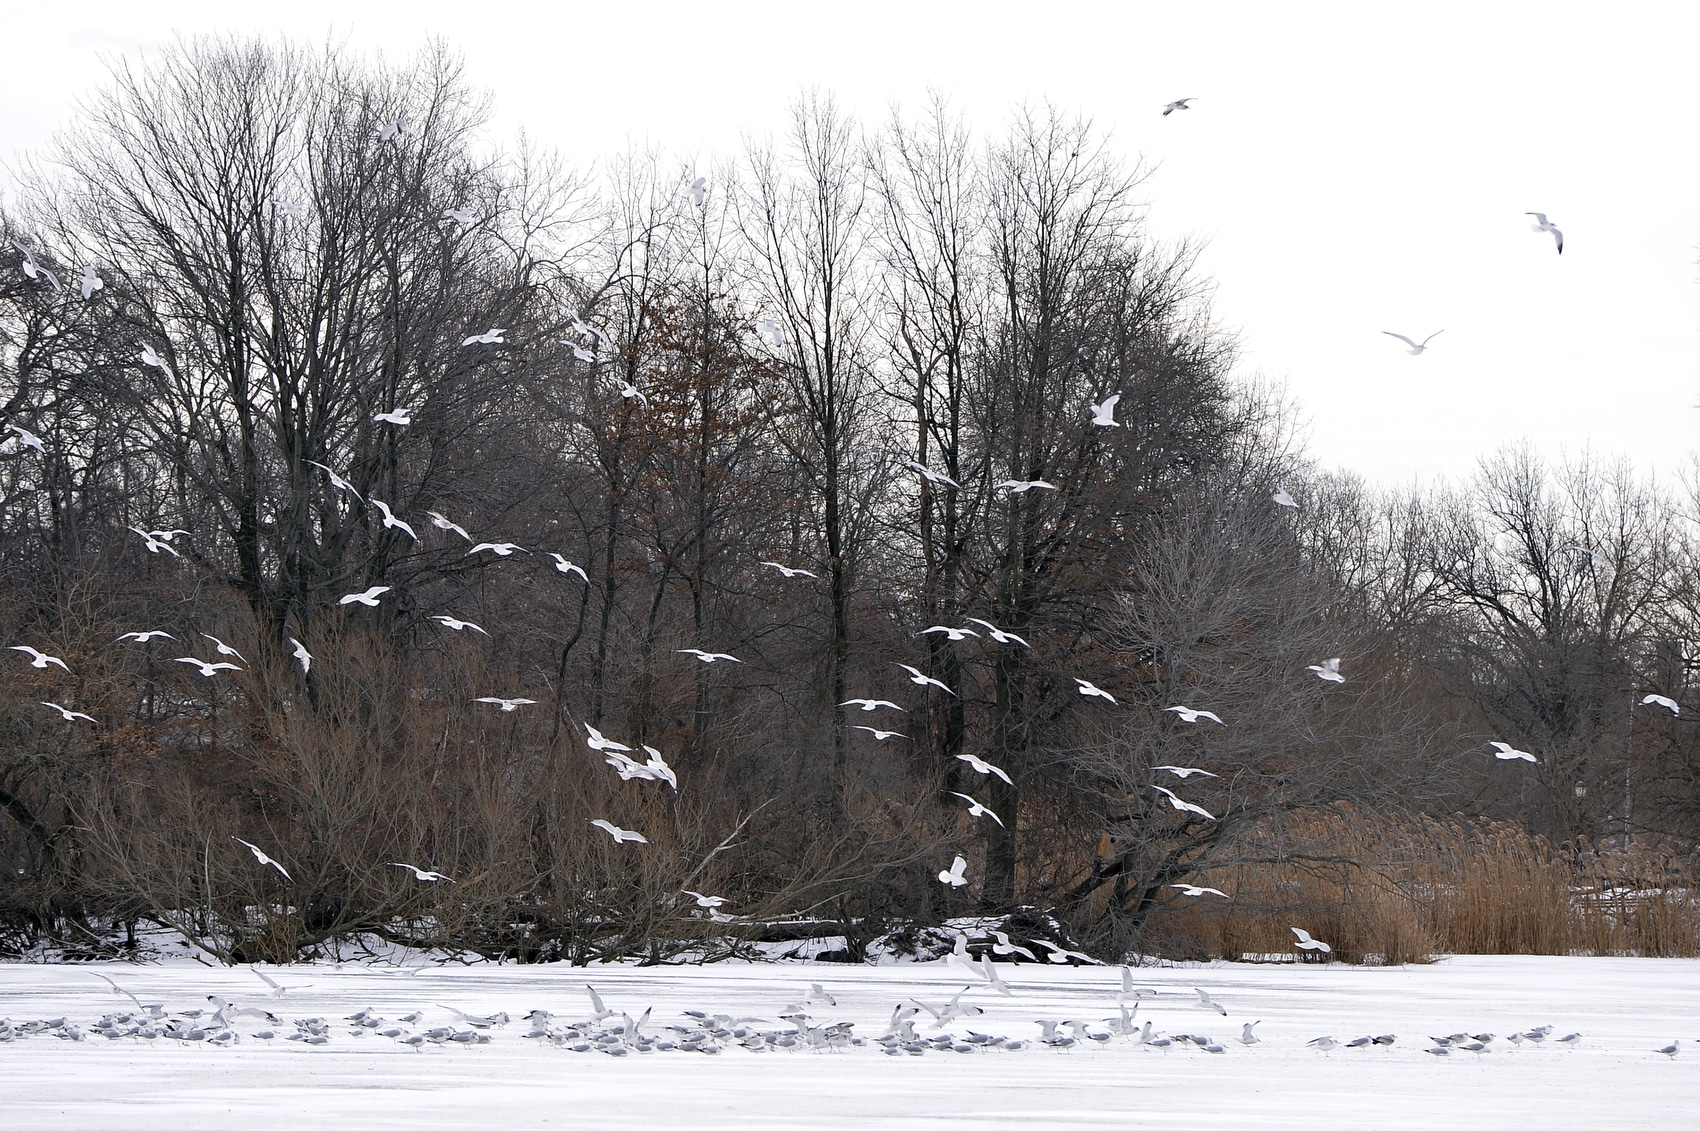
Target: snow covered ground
1624	1009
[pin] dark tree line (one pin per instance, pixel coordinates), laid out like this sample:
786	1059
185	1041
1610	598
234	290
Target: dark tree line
682	392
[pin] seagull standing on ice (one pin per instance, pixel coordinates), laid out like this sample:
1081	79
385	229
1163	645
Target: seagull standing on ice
1542	224
1417	348
1104	415
1305	942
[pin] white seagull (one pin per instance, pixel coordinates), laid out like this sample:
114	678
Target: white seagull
870	704
981	766
1188	715
955	634
155	544
997	633
70	715
1195	890
1062	956
920	680
1177	104
368	598
1205	1001
582	327
90	282
337	481
930	475
1247	1037
580	352
300	652
1104	415
1088	688
879	735
562	565
630	392
1666	702
1305	942
1505	753
420	873
697	190
1283	498
442	522
462	216
709	902
27	438
500	549
1329	670
708	657
391	130
38	659
789	571
33	269
209	669
505	704
1542	224
597	742
975	809
490	337
1184	806
1416	347
259	854
1184	772
658	768
144	637
1002	945
771	332
457	624
954	875
149	357
392	522
620	835
398	416
1022	486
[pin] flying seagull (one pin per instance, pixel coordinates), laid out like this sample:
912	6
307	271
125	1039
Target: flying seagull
144	637
879	735
975	809
505	704
500	549
582	327
870	704
27	438
458	625
697	190
1328	670
997	633
954	875
90	282
38	659
1305	942
920	680
789	571
1184	772
981	766
1505	753
259	854
337	481
598	743
1284	499
1183	806
710	902
149	357
1542	224
462	216
397	416
1416	347
771	332
1088	688
442	522
1205	1001
631	392
1663	701
708	657
1062	956
209	669
391	522
1188	715
33	269
368	598
1195	890
930	475
300	652
1022	486
1104	415
420	873
70	715
1177	104
620	835
562	565
1002	945
156	544
955	634
391	130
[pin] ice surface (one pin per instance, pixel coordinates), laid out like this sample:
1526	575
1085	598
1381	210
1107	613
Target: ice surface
1624	1008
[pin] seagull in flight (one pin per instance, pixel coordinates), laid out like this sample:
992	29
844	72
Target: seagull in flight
1505	753
788	571
697	190
500	549
397	416
391	522
1305	942
1022	486
1666	702
981	766
630	392
1184	806
954	875
505	704
930	475
1195	890
33	269
709	902
1184	772
209	669
1328	670
27	438
1188	715
1177	104
1062	956
620	835
920	680
1283	498
589	331
144	637
975	809
368	598
391	130
708	657
38	659
771	332
149	357
562	565
1104	415
300	652
870	704
1417	348
70	715
458	625
1002	945
1205	1001
955	634
442	522
260	855
601	744
580	352
1088	688
879	735
90	282
462	216
154	543
337	481
997	633
1542	224
420	873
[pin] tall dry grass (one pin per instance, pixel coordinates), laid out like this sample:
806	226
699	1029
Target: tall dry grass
1408	891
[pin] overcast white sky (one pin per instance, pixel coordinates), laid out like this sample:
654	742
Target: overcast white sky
1354	167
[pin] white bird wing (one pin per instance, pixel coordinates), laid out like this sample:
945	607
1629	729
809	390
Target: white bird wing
1402	338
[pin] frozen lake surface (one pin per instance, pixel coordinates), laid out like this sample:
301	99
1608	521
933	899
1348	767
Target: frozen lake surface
1624	1009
